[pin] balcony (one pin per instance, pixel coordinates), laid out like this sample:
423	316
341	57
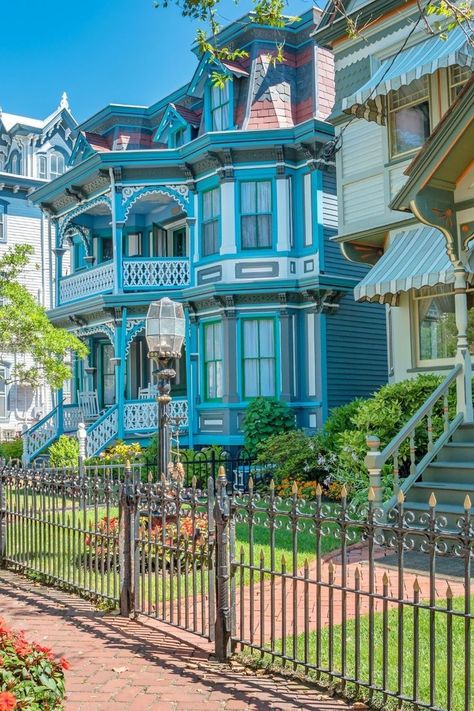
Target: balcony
138	274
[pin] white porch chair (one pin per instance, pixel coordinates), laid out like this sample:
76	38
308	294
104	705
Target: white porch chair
89	405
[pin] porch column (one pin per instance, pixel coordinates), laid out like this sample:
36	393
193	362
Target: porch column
229	340
463	356
117	231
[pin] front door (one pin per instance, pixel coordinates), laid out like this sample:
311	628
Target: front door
179	242
105	375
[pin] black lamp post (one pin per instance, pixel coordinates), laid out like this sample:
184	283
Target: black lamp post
165	332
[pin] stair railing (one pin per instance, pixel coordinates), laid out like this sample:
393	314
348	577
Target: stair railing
41	434
376	460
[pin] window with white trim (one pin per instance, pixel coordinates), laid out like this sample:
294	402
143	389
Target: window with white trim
42	167
458	76
3	393
409	117
256	214
437	332
16	164
211	212
258	354
220	107
3	224
56	165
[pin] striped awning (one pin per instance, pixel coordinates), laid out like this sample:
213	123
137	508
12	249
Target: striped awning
400	70
415	258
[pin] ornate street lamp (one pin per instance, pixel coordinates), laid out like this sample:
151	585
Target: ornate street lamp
165	332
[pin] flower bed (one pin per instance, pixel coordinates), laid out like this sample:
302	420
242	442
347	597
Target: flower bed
30	677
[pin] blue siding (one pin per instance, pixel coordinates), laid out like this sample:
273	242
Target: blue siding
356	351
20	206
334	261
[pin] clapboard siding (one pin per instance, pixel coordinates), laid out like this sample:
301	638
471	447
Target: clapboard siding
363	199
334	261
356	351
362	149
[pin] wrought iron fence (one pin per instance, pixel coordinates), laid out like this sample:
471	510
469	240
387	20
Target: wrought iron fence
377	604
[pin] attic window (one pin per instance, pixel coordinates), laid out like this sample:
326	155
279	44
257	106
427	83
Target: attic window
220	107
42	167
56	165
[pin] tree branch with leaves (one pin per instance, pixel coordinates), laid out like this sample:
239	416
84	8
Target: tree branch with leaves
39	348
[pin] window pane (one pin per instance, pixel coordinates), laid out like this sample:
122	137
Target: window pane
410	94
209	345
251	339
267	377
248	192
251	378
134	244
207	205
264	230
264	196
410	127
219	378
266	333
216	203
249	231
217	341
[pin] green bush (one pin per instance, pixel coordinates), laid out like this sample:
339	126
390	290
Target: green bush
12	449
64	452
295	455
341	419
265	417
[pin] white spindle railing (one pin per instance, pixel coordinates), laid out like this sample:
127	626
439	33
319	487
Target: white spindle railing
103	431
37	437
142	415
152	273
88	282
72	415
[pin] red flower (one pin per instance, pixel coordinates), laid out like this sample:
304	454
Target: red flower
7	701
64	663
44	650
4	628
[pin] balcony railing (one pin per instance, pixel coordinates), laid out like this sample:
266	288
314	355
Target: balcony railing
150	273
97	280
142	415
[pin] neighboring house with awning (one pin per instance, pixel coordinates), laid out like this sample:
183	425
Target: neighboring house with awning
405	177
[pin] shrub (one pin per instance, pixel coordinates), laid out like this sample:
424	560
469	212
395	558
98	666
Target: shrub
120	453
295	455
265	417
30	677
12	449
341	419
64	453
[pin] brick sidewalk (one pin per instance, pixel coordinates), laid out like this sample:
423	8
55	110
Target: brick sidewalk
121	664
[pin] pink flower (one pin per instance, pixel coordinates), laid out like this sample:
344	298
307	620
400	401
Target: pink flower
7	701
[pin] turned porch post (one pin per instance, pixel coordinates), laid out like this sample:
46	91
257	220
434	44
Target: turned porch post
463	356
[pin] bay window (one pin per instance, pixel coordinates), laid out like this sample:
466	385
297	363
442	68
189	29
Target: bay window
258	353
211	211
213	360
256	214
409	117
458	76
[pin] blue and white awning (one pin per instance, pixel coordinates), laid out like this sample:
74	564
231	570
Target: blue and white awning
415	258
423	58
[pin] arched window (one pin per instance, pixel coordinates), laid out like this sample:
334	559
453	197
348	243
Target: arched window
42	167
16	164
56	165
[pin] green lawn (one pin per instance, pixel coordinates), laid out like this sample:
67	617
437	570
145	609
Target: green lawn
390	650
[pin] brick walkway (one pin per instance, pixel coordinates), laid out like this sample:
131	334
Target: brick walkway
121	664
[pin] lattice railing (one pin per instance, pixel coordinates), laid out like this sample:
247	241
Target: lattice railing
103	431
152	273
142	415
86	283
72	415
37	437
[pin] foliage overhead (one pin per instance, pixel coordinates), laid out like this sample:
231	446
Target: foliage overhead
25	330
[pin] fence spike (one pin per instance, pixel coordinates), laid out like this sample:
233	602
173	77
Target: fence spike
262	557
449	592
416	586
194	481
163	479
467	503
343	492
294	488
150	477
331	567
272	485
221	472
371	495
400	497
283	561
250	485
306	567
319	489
432	500
385	578
357	575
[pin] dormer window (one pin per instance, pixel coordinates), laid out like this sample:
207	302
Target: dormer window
16	164
220	107
42	167
56	165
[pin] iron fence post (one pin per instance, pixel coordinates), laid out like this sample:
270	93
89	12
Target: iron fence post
222	511
125	544
3	521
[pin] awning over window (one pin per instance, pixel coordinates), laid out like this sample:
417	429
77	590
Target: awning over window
415	258
423	58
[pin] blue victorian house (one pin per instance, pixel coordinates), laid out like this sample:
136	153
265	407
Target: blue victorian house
223	199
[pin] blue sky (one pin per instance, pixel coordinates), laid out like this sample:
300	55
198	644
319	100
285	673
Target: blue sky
99	51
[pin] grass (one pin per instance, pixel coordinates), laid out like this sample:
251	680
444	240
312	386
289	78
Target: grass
390	650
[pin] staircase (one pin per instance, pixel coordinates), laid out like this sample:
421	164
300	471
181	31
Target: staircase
449	476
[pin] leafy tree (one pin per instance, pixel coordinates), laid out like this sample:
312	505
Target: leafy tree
25	330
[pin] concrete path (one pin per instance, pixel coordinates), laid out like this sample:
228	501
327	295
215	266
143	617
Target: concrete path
120	664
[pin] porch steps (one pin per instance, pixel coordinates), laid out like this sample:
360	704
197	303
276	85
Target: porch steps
450	476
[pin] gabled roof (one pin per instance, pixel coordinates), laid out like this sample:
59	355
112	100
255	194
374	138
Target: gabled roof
86	145
193	118
15	121
209	63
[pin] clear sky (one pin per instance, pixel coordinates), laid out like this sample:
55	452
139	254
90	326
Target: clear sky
98	51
